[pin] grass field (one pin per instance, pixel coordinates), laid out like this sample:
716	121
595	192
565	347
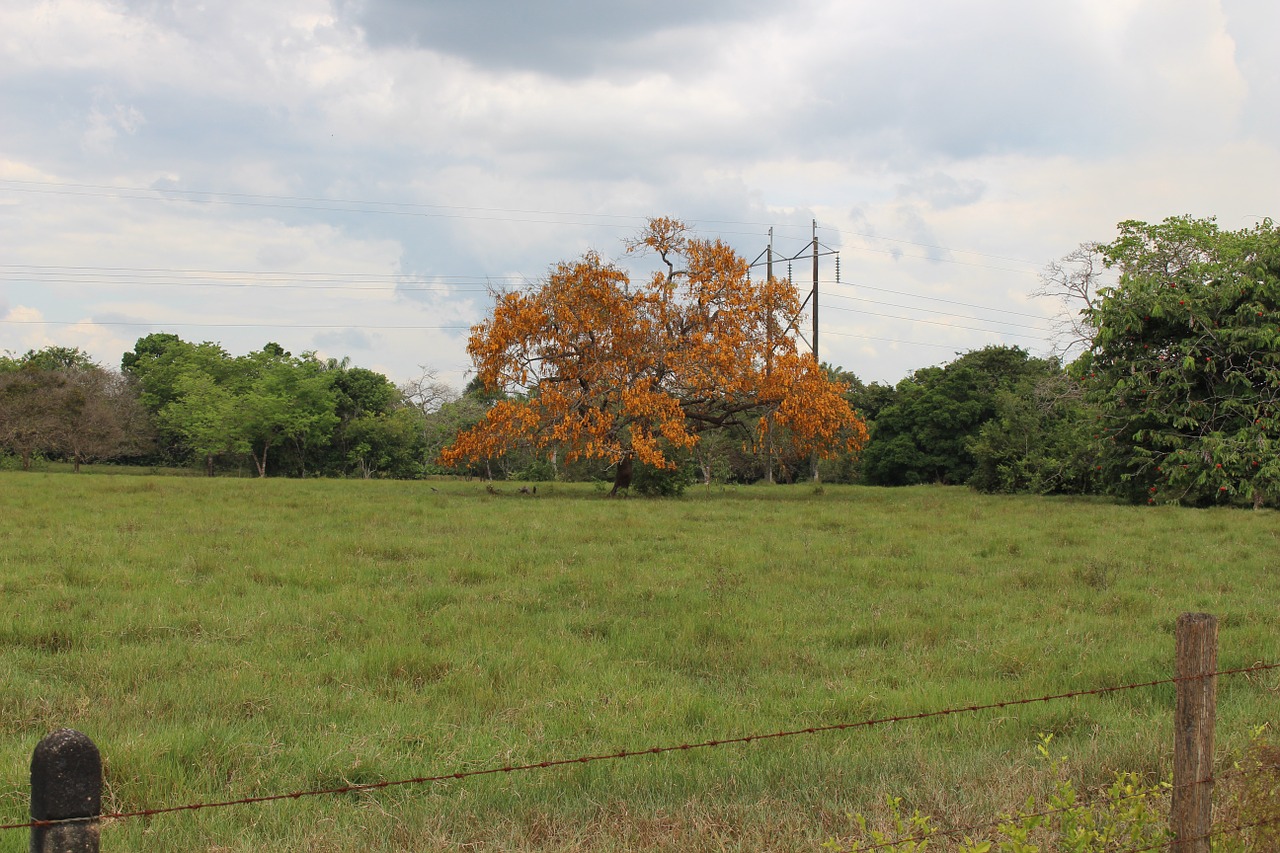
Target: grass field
232	637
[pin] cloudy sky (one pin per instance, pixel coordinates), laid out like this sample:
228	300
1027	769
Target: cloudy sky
352	176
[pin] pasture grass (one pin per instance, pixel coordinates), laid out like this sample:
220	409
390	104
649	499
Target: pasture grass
229	638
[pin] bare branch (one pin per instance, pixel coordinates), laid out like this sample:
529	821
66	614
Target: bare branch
428	393
1073	282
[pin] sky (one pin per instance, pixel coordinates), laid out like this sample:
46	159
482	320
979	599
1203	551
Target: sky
355	178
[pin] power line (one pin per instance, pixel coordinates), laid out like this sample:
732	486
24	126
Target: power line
932	299
394	208
157	323
370	282
938	323
39	269
861	337
313	204
324	205
267	280
131	274
939	260
113	191
412	208
257	196
284	285
929	246
945	313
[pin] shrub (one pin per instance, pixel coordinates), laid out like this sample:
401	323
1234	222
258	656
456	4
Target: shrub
662	482
1132	814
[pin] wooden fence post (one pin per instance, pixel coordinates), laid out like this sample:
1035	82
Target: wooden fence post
1196	653
66	782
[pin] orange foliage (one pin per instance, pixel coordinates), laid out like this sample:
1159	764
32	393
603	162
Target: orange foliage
606	368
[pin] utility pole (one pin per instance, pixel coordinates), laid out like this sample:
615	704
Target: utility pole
814	295
813	459
816	249
768	365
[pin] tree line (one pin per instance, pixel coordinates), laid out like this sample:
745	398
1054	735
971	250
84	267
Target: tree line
179	403
271	413
694	377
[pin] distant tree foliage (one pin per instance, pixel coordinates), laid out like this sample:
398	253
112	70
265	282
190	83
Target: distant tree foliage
1039	438
57	402
926	434
104	417
283	413
34	406
1185	366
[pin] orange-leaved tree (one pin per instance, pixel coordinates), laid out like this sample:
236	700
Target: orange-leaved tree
603	367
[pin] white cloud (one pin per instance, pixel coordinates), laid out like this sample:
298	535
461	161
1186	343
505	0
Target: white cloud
1001	132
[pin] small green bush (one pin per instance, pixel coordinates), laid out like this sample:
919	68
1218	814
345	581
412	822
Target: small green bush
1248	801
537	471
662	482
1132	814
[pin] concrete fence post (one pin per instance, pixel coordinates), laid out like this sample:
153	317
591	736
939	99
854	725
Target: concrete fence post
1194	715
66	782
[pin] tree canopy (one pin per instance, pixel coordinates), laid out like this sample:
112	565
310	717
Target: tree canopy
925	434
58	401
1185	365
325	415
599	366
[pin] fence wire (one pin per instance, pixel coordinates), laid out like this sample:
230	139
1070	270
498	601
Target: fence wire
635	753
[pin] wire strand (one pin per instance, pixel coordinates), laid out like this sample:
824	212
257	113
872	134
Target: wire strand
656	750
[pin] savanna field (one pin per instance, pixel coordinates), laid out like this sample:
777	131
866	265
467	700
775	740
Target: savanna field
226	638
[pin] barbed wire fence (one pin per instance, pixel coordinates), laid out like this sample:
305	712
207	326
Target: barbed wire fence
66	770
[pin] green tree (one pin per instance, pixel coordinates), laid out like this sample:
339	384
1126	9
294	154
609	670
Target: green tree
1185	364
55	358
287	401
363	399
166	369
868	400
205	416
925	435
442	426
1039	439
159	361
387	443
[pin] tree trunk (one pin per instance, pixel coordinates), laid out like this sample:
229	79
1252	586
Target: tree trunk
208	464
622	478
261	463
768	450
